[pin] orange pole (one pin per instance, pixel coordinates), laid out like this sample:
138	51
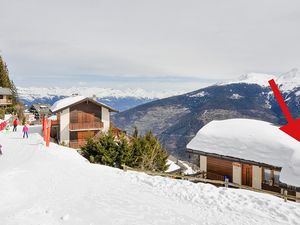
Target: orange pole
48	133
45	130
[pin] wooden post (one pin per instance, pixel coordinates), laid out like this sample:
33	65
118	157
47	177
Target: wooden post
285	194
226	182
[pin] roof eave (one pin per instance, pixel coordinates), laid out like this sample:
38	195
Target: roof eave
83	100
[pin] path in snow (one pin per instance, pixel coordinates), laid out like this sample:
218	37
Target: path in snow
58	186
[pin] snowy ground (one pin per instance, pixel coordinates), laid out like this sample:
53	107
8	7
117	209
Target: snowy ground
57	186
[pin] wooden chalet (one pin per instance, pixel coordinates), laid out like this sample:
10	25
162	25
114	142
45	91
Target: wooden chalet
257	158
78	118
40	110
5	97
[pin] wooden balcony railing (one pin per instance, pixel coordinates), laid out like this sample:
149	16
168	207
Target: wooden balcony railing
54	122
86	126
5	101
77	143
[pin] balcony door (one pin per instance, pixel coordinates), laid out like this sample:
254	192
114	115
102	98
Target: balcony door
247	175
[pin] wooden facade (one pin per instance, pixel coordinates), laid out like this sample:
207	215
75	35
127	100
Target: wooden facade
78	122
252	174
5	97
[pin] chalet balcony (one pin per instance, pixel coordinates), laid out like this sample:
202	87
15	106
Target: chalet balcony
54	122
86	126
77	143
5	101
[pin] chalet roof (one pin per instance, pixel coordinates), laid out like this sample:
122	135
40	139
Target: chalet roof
74	100
5	91
251	140
41	108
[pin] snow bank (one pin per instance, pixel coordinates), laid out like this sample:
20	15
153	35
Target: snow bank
55	186
252	140
172	166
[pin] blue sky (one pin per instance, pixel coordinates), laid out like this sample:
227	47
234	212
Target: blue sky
157	44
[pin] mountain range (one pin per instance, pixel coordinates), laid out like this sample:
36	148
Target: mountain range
176	120
118	99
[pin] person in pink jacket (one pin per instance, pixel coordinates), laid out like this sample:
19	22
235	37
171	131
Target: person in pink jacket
25	131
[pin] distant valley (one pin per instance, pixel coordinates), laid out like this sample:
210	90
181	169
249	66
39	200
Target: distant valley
176	120
118	99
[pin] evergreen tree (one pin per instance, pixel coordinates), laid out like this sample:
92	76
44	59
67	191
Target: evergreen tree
125	156
5	81
144	152
4	75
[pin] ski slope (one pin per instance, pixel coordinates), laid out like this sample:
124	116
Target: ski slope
55	185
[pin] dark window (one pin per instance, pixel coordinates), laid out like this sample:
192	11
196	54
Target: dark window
271	177
1	97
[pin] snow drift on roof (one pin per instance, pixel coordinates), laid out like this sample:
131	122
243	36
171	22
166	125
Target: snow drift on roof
254	140
63	103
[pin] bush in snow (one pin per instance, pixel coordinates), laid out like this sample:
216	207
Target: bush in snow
143	152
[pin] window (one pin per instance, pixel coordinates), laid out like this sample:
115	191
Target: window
271	177
267	176
1	97
276	178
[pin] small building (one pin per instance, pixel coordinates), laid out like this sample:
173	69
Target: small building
40	110
248	152
5	97
78	118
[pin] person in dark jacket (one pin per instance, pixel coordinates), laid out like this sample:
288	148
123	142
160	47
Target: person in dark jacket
15	123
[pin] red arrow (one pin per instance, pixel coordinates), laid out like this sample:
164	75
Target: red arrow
292	128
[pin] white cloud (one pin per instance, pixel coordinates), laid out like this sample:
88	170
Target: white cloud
139	38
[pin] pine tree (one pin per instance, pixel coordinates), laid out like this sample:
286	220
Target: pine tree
144	152
125	156
108	149
5	81
4	77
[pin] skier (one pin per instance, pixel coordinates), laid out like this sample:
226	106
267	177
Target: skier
15	123
0	150
25	131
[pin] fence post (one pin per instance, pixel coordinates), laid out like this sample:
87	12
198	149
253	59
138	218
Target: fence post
285	194
226	182
124	167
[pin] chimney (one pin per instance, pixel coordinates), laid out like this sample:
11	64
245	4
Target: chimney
94	97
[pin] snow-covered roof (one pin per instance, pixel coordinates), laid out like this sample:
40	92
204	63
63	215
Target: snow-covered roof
69	101
253	140
5	91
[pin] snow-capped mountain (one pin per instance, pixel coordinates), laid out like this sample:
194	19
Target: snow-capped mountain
177	119
119	99
286	81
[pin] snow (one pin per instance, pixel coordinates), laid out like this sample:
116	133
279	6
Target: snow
236	96
254	140
286	81
55	186
189	170
31	93
60	104
172	166
200	94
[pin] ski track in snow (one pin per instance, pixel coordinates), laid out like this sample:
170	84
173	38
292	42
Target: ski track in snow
54	186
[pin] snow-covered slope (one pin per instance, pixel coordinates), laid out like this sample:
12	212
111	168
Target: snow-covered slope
287	81
55	185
